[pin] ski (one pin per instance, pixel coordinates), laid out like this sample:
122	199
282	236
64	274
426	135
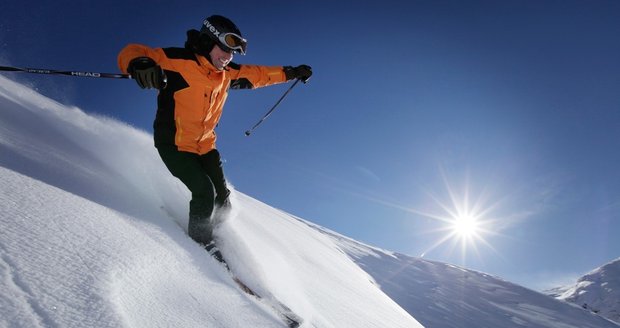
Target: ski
289	317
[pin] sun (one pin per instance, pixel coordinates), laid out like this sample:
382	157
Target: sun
465	221
466	226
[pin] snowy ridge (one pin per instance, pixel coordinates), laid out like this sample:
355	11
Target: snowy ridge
93	235
445	295
597	291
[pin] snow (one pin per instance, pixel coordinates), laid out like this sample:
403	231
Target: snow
93	234
70	262
444	295
597	291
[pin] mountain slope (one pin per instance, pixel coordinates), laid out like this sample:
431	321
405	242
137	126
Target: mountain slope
597	291
94	231
444	295
93	234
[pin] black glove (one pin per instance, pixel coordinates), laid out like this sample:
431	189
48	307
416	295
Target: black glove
302	72
147	73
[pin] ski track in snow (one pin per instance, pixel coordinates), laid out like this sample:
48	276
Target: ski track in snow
20	301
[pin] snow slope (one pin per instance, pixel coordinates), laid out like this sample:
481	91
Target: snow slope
92	234
597	291
69	262
444	295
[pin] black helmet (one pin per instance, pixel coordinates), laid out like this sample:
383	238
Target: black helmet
223	32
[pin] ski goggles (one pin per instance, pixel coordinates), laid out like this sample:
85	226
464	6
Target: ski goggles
233	41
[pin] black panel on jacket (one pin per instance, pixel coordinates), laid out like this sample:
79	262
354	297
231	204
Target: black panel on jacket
180	53
164	125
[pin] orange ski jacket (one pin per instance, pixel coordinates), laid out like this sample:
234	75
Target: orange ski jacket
190	106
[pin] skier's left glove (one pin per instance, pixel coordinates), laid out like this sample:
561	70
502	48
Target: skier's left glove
302	72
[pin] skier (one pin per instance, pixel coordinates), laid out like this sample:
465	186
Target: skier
193	85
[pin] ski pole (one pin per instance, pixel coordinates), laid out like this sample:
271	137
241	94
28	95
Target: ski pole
70	73
248	132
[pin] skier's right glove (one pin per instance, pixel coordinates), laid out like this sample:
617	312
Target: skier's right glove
302	72
147	73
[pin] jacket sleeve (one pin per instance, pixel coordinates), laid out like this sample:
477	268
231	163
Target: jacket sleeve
133	51
255	76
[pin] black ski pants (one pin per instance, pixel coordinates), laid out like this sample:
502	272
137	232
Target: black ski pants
204	177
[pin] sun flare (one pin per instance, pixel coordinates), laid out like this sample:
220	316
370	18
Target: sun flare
465	221
466	226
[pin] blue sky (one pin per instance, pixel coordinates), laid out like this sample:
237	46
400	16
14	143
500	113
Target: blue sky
417	110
